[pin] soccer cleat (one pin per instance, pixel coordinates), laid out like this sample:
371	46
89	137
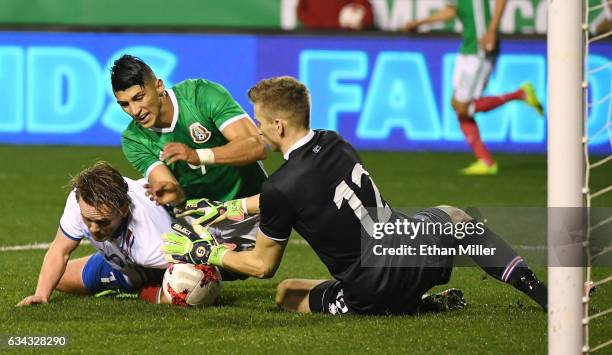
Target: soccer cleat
532	287
447	300
117	294
531	98
479	167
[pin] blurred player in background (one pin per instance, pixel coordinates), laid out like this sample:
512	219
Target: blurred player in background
189	141
113	213
322	191
478	53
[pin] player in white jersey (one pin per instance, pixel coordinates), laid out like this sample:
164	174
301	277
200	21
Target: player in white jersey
113	213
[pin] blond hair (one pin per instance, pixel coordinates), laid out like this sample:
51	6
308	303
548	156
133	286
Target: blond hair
284	96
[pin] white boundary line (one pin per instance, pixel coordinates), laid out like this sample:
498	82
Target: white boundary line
32	246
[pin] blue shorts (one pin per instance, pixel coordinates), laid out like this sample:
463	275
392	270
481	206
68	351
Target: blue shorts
98	275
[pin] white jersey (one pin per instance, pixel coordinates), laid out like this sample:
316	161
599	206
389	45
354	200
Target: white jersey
139	240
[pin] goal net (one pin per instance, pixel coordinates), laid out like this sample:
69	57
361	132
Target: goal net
597	117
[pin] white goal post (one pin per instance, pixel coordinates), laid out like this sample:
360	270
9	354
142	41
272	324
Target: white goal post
565	172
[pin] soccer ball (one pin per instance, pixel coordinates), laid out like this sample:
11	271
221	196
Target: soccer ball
192	285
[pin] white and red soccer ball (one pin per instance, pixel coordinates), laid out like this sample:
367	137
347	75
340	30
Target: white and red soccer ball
192	285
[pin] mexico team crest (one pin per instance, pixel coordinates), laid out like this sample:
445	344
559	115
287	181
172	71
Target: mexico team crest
199	133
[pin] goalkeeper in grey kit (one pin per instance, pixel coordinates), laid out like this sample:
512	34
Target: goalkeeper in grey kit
323	191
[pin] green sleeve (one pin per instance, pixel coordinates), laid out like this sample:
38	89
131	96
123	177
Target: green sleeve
214	101
138	154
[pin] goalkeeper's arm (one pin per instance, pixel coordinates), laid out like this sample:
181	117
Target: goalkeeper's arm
199	247
237	210
260	262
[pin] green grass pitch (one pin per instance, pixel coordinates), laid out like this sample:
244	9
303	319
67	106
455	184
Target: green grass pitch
497	320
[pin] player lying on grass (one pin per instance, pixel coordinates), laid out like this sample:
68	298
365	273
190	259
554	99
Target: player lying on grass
113	213
320	191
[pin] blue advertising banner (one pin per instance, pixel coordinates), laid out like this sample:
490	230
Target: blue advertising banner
379	93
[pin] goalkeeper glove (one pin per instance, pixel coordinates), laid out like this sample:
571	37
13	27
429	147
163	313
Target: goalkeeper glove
235	210
204	210
189	246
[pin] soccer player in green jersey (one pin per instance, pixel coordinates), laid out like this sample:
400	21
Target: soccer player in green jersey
476	59
189	141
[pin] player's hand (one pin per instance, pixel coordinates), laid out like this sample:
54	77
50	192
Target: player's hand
234	210
488	41
178	151
164	192
187	246
410	26
205	211
32	300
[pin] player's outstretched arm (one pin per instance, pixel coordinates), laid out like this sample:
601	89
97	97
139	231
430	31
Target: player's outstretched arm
445	14
163	187
52	269
489	39
261	262
185	246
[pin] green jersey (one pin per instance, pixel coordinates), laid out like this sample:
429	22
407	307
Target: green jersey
475	17
202	109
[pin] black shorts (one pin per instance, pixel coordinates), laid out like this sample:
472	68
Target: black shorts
328	297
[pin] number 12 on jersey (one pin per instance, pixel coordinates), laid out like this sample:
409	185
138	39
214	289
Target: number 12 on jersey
345	192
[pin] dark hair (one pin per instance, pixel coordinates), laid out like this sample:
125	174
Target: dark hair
283	95
129	71
102	187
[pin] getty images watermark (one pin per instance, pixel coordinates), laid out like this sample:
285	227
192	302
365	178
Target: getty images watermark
567	237
413	229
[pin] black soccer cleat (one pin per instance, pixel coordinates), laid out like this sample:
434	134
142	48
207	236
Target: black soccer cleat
446	300
532	287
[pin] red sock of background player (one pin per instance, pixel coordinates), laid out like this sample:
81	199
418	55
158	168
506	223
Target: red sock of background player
150	294
489	103
472	136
